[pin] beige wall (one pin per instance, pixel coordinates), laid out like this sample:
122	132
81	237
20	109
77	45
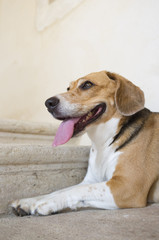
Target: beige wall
117	35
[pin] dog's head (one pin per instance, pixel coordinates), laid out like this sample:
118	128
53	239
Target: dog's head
93	99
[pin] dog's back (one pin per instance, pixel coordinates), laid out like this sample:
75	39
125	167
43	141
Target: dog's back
154	149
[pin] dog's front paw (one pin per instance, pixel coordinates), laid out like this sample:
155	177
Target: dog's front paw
32	206
23	207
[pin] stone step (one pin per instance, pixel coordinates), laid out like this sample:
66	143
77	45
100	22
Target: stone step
17	132
96	224
28	170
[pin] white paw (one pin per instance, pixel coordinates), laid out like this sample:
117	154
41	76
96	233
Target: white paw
23	207
32	206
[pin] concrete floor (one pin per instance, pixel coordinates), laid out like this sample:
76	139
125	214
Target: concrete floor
123	224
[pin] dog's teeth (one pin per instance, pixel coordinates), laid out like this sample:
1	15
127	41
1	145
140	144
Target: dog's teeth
89	114
87	118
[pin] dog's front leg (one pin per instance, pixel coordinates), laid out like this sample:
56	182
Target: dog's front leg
26	206
96	195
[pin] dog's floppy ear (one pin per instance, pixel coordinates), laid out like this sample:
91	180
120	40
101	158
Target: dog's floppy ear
129	98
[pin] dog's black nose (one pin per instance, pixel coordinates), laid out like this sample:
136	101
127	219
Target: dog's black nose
52	102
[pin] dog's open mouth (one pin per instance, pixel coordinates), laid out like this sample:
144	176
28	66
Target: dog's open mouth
72	126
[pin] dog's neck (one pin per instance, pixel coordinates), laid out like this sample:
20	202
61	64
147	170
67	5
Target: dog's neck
102	134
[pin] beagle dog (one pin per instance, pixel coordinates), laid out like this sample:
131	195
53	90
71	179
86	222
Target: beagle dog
123	169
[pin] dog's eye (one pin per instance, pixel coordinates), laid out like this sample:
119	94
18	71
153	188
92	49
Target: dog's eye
86	85
68	88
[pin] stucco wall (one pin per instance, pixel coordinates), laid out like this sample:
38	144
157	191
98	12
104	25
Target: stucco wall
117	35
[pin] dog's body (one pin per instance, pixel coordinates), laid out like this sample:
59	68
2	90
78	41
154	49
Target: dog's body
123	170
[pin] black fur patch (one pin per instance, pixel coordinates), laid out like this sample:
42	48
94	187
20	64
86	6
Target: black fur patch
134	124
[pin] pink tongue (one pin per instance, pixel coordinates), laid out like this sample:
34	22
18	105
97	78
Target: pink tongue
65	131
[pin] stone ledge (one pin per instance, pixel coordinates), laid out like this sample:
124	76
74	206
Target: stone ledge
13	154
13	131
26	127
122	224
30	170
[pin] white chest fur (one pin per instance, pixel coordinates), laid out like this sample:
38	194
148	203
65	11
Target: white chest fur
103	158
